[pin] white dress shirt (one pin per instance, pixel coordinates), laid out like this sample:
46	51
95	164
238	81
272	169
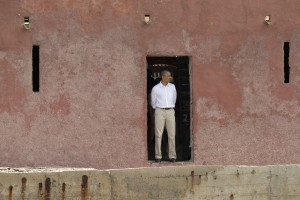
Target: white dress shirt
163	96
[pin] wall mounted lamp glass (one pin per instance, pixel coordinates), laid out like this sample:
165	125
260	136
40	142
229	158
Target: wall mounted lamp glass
26	23
147	19
268	19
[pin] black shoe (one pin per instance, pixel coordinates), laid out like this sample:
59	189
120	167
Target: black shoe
172	160
157	160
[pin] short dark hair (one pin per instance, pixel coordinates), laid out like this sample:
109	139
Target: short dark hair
164	72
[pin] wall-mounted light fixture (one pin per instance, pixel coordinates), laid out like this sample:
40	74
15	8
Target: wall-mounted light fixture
147	19
268	19
26	23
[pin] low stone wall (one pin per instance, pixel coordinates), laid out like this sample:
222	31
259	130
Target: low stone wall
46	184
165	183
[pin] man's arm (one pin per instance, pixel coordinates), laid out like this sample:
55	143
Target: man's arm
153	98
175	95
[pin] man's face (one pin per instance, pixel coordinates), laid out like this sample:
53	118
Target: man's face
167	77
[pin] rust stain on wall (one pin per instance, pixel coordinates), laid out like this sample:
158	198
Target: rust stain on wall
47	189
41	196
63	191
23	189
192	181
10	192
84	187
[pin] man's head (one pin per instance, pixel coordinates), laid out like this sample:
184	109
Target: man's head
165	77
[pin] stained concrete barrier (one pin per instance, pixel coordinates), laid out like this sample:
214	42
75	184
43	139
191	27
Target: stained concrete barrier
165	183
47	184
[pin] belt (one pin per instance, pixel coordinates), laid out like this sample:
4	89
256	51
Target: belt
167	108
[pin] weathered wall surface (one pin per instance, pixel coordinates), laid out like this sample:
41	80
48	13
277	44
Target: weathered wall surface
165	183
47	184
91	108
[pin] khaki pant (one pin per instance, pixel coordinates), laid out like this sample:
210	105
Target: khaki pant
165	118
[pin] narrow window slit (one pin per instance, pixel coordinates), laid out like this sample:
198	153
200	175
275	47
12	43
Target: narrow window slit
286	50
35	68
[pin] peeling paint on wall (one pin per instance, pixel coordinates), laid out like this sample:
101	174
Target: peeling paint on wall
93	81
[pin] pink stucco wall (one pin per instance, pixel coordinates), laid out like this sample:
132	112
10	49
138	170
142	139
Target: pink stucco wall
91	108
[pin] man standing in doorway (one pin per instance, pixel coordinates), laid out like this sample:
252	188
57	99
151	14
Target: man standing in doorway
163	99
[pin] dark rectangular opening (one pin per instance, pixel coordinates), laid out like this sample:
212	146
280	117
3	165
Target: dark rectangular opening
35	68
179	66
286	50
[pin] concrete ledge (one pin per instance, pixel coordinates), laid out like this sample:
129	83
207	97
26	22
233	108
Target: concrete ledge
54	184
165	183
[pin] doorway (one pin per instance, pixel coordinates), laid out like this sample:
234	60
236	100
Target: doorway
180	71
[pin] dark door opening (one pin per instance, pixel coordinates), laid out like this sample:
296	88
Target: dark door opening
179	68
